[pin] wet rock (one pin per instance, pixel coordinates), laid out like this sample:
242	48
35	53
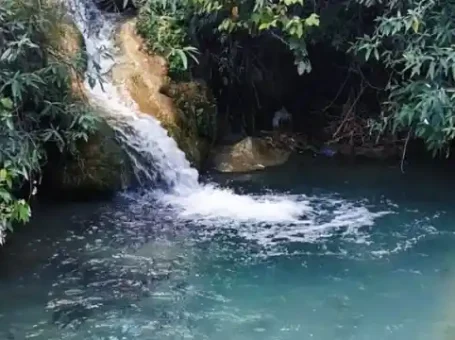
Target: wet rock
101	167
250	154
69	42
178	106
195	122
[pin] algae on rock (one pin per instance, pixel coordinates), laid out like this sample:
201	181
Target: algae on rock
196	120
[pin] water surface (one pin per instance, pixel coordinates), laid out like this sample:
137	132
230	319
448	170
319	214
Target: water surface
373	258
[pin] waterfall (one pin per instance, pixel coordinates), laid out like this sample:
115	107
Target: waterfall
156	156
153	152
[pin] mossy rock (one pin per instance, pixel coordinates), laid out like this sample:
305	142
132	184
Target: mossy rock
196	149
100	168
195	123
68	43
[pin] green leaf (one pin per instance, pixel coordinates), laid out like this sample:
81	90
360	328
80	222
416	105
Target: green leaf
6	103
9	182
5	196
303	67
183	58
9	124
415	25
431	69
16	90
263	26
367	54
22	211
299	30
3	175
376	54
312	20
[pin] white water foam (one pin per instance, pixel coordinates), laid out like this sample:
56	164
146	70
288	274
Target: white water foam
157	156
213	203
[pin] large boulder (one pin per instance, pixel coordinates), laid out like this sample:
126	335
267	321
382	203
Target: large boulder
249	154
178	106
100	167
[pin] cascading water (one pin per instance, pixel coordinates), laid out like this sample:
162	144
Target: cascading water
140	133
195	261
156	155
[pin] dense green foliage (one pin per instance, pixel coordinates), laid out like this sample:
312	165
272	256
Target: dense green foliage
414	40
284	19
163	26
217	29
38	110
409	42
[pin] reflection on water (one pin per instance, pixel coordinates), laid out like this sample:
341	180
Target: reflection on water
367	262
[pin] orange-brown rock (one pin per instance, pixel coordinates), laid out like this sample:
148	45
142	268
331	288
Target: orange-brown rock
178	106
143	75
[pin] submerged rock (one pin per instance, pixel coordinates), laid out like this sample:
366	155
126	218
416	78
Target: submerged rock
248	155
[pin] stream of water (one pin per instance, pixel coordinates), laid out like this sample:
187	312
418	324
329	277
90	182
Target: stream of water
306	251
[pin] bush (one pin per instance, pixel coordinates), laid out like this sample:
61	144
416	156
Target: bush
163	25
398	56
413	40
38	107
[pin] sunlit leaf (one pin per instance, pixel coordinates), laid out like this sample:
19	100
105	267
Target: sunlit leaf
312	20
6	103
3	175
415	25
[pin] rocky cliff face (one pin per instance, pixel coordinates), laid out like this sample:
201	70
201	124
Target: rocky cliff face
100	166
177	105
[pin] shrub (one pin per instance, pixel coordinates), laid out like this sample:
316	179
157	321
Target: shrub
38	107
413	40
163	24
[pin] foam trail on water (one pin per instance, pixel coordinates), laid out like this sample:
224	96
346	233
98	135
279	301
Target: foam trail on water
155	155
